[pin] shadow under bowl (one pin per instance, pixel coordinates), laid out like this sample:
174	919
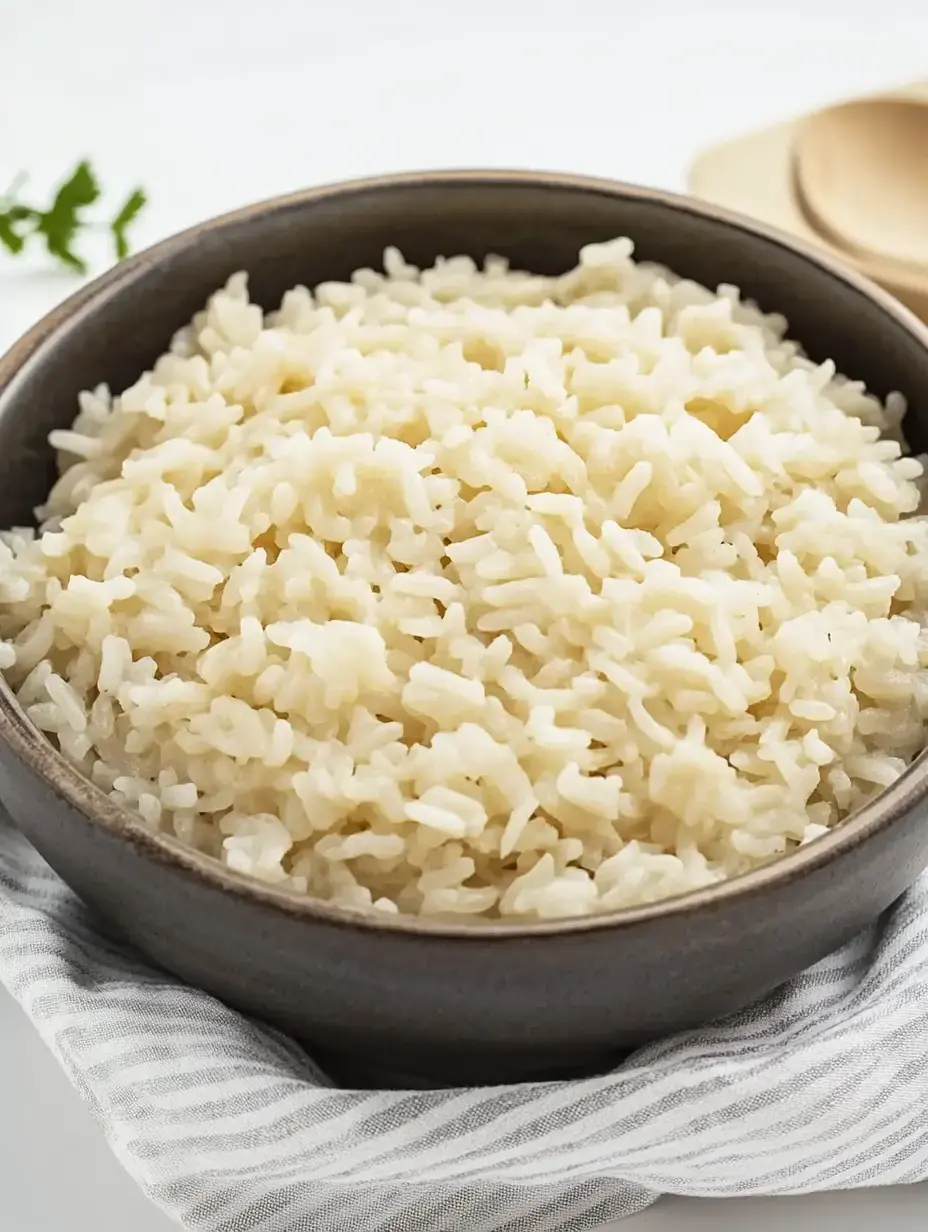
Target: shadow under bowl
406	1000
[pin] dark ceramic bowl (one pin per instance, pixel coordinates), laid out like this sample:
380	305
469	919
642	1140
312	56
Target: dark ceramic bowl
449	1002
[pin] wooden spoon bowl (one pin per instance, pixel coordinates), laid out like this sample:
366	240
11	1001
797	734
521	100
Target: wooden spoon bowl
861	172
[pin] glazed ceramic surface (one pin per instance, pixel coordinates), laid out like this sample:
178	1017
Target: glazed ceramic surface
395	999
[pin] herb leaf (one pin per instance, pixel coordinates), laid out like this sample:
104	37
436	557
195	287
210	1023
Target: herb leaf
134	204
12	232
63	222
13	216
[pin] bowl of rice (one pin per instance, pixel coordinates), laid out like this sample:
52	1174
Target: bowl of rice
475	621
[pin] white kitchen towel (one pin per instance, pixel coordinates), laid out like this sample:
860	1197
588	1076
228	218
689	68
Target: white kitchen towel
230	1127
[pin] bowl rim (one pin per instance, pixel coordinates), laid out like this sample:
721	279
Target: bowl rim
83	796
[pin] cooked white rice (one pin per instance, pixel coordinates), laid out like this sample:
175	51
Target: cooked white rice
470	592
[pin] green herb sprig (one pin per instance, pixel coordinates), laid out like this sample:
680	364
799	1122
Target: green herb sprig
65	219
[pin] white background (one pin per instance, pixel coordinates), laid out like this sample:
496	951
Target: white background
213	103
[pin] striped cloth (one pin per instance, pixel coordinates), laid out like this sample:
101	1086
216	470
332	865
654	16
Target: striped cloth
230	1127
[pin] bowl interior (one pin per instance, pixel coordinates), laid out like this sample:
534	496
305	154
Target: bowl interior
118	327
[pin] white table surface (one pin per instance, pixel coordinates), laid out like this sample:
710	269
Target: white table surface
213	103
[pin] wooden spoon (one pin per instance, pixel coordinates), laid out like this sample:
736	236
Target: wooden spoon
861	174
